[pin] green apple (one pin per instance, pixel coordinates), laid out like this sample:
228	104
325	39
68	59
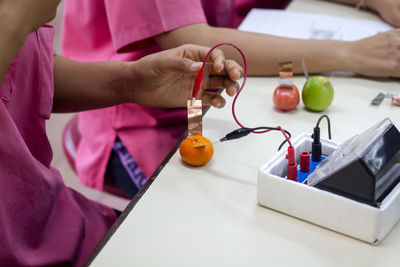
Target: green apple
317	93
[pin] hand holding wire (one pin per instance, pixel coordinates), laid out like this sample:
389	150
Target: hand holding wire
243	131
229	69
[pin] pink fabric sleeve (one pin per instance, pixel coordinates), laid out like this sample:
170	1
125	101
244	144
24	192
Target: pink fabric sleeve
131	21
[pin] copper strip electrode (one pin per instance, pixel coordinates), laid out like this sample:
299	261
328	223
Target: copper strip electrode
286	70
195	117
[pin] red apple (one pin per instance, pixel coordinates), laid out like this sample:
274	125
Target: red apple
286	97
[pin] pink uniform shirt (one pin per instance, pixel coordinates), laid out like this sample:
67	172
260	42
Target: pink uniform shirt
42	222
102	30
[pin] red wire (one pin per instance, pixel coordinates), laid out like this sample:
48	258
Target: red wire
284	134
241	87
243	83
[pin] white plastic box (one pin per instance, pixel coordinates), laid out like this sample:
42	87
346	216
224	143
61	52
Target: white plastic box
341	214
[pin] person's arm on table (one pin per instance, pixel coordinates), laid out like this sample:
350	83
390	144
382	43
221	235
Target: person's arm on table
389	10
376	56
163	79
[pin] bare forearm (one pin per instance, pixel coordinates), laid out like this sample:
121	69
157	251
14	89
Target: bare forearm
348	2
82	86
18	18
263	52
370	4
11	40
164	79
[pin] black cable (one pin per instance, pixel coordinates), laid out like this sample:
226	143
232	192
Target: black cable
316	147
329	124
276	129
241	132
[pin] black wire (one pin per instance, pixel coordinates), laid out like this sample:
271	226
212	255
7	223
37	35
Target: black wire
244	131
329	124
274	129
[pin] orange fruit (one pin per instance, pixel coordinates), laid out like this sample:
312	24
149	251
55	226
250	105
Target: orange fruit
196	150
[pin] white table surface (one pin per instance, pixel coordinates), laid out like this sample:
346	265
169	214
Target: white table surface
209	216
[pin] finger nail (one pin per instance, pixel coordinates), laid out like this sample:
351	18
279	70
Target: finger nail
237	74
234	75
236	88
219	104
195	66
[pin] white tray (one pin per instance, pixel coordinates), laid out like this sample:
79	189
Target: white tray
320	207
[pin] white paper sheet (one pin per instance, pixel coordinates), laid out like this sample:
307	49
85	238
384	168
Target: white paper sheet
310	26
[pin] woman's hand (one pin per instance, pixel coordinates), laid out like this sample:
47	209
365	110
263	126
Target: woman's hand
166	79
389	10
376	56
27	15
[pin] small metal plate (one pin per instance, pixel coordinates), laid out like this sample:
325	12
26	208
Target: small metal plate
195	117
378	99
286	70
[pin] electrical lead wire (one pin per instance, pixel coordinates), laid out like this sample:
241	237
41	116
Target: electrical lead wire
329	124
243	131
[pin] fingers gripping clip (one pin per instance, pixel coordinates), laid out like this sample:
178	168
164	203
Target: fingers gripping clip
194	107
197	84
